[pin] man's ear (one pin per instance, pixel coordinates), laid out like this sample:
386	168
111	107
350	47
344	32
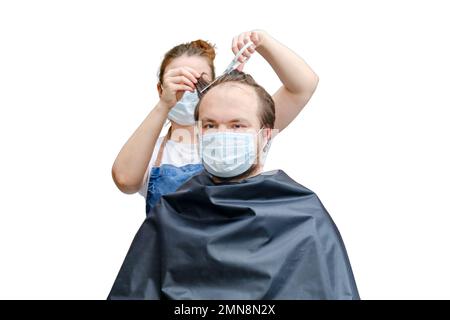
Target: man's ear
264	138
267	134
159	88
265	142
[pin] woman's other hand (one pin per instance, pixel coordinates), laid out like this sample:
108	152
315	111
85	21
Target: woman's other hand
175	82
256	36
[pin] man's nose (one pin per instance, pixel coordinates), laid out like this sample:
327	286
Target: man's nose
222	127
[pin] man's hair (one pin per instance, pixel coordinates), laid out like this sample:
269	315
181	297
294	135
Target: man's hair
266	105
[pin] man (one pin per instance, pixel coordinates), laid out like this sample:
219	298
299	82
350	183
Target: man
233	232
236	124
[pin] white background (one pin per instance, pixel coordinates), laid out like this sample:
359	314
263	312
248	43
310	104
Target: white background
78	77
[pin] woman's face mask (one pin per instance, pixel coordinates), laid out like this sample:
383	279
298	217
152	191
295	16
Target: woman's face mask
183	111
228	154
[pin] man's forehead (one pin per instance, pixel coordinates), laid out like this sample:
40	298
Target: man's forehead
232	91
228	102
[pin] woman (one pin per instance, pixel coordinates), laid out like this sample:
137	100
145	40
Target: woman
156	166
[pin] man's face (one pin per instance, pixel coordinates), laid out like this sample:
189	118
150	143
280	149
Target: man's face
229	107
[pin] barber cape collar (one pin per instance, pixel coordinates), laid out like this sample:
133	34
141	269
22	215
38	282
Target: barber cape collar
266	237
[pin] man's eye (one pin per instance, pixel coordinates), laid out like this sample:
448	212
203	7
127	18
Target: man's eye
238	126
208	126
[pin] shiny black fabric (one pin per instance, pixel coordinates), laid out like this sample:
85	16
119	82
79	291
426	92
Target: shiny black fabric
266	237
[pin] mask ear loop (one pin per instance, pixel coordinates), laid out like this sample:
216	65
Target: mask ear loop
265	149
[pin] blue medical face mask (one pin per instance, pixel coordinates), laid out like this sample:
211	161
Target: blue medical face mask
183	111
228	154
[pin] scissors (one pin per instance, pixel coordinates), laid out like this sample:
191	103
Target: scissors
232	66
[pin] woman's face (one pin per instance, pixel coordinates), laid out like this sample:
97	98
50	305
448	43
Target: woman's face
199	64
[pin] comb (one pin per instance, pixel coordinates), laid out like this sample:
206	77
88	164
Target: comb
201	85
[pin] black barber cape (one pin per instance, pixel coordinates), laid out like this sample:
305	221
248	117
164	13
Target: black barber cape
266	237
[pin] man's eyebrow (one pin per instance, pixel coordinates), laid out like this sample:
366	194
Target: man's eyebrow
207	120
238	120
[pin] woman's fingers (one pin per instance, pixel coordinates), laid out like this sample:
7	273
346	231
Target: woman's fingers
181	87
255	38
178	79
234	45
193	72
251	48
184	71
241	66
182	80
173	88
239	42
